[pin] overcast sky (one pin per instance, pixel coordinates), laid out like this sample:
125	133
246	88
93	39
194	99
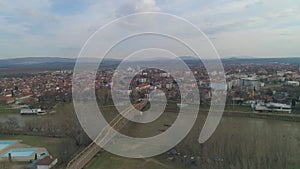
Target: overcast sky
260	28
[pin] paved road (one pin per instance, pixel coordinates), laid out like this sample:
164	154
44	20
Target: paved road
85	156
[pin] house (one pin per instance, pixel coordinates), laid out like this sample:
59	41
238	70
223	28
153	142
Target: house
169	85
143	80
46	163
143	86
9	99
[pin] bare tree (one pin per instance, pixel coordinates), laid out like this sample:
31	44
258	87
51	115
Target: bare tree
2	127
29	125
5	165
12	125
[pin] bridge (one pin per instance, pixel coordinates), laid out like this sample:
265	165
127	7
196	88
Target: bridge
87	154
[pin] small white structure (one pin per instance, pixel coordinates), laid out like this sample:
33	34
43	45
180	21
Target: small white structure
292	83
273	107
46	163
28	111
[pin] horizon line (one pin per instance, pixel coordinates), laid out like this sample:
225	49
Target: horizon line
206	58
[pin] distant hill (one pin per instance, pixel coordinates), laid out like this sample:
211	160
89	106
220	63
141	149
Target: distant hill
34	60
47	63
240	57
58	63
253	60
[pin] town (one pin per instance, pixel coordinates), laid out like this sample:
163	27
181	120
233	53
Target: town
39	104
149	84
268	87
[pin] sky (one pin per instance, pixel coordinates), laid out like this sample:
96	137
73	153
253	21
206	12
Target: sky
59	28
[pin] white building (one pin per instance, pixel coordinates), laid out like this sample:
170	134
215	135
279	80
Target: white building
250	81
273	107
292	83
28	111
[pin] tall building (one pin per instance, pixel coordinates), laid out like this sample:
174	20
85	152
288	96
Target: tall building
250	81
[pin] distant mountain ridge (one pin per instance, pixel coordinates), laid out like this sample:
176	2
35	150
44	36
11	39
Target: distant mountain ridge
48	63
241	57
34	60
56	63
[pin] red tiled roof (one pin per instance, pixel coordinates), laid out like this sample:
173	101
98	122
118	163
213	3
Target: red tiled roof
144	85
45	161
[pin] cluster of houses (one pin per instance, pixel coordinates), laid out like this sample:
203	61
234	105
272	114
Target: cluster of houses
243	81
29	88
258	89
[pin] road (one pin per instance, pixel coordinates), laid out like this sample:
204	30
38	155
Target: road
85	156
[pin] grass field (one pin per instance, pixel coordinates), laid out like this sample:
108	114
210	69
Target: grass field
239	108
264	138
7	109
51	144
237	140
109	161
55	147
106	160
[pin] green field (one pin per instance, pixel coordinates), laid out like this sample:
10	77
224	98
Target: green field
241	142
57	147
237	140
7	109
238	108
106	160
51	144
109	161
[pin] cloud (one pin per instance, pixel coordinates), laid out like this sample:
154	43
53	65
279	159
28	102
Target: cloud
134	6
147	6
283	13
44	27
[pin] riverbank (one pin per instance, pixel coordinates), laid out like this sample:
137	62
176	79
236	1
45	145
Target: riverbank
234	141
271	116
